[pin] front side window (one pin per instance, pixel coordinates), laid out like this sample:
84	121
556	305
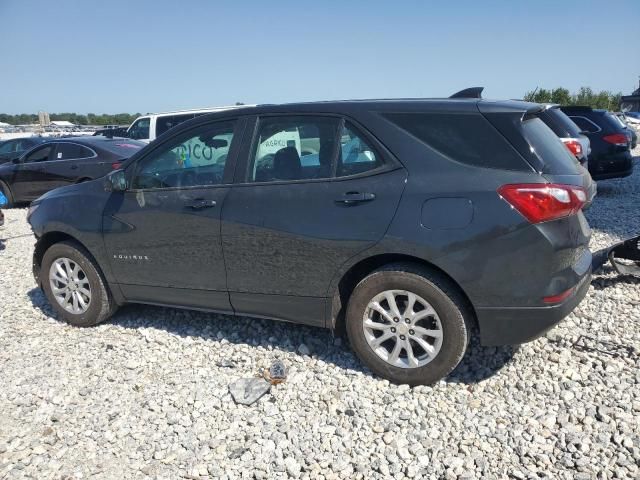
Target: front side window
294	148
140	129
194	159
42	154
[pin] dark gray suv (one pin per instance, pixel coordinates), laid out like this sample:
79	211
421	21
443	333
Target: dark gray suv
405	221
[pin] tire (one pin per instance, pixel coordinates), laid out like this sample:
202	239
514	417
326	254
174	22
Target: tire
7	193
100	305
451	318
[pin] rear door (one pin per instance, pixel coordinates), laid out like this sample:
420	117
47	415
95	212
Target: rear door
312	192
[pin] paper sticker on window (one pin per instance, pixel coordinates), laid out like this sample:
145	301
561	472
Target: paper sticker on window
59	155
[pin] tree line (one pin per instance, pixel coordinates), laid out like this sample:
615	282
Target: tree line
76	118
584	96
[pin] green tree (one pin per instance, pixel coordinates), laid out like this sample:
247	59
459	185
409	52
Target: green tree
584	96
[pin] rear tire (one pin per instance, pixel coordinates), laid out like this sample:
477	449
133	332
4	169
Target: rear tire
74	285
430	324
7	193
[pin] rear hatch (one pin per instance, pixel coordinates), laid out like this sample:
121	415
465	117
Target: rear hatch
540	146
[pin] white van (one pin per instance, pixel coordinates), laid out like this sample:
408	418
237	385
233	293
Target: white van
148	127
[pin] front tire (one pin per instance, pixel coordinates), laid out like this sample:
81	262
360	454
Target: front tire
74	285
408	324
7	193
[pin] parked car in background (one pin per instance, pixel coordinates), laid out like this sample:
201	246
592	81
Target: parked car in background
14	148
412	221
610	145
567	131
631	133
60	162
148	127
633	118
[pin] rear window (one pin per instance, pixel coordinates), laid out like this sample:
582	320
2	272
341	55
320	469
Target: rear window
466	138
564	123
123	148
555	157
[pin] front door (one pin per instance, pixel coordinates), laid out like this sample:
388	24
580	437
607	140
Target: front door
30	177
163	234
316	192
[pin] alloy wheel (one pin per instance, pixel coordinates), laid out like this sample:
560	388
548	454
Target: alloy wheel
402	328
70	285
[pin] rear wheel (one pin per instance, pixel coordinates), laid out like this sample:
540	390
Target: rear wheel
408	324
74	285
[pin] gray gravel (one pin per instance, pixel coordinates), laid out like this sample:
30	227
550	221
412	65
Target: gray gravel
147	394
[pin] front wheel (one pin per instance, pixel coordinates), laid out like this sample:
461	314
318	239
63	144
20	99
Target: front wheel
408	324
74	285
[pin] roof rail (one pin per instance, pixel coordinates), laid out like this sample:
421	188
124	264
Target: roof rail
473	92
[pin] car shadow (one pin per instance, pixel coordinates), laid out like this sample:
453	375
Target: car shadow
478	364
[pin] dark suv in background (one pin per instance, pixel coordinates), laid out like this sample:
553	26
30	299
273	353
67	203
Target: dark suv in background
404	221
610	142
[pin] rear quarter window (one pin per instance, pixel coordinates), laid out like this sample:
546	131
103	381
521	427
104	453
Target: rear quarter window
465	138
555	157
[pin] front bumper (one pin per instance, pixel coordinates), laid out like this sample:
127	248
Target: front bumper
515	325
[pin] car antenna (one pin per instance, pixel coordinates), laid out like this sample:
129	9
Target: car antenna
472	92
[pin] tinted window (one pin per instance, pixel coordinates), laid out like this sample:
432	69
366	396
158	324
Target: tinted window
122	147
41	154
549	148
8	146
356	155
466	138
67	151
139	129
565	127
195	160
168	122
294	148
585	124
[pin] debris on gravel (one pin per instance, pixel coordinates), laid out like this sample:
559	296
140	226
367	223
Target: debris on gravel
249	390
147	393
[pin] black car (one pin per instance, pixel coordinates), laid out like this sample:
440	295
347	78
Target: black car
629	130
404	221
14	148
610	155
61	162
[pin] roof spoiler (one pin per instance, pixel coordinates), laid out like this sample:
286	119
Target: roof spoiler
473	92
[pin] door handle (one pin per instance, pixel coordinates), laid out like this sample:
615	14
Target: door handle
200	204
353	198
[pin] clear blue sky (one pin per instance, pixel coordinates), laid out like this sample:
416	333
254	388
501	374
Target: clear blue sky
144	56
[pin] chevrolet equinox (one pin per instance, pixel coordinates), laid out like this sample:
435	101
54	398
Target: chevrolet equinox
408	223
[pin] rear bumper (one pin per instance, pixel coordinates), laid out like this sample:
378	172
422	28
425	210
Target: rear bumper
515	325
613	166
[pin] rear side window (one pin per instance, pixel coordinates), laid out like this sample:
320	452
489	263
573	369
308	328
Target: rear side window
549	148
169	121
65	151
585	124
466	138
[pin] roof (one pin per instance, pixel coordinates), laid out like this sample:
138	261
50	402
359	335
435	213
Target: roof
62	123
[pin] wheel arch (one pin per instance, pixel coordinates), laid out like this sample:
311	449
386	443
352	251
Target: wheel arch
342	292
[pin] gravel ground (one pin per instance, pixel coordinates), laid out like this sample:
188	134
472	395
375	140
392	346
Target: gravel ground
146	394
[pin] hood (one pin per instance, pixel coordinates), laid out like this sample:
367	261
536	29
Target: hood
72	190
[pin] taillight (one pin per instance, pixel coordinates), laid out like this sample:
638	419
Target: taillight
541	202
558	298
116	165
619	139
573	146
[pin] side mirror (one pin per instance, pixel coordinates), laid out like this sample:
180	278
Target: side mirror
15	160
116	182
